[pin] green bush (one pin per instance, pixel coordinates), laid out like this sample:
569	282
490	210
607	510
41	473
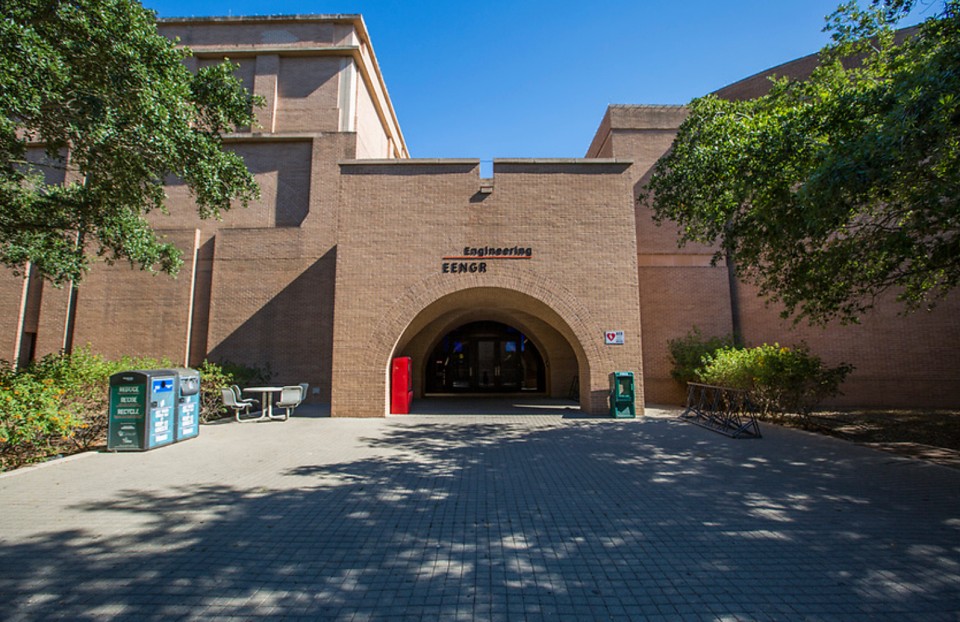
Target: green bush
688	353
59	404
33	422
779	380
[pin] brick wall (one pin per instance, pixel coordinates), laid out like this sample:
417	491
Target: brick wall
128	312
902	361
272	300
398	222
11	300
673	299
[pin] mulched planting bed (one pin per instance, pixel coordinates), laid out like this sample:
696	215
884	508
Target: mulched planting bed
938	428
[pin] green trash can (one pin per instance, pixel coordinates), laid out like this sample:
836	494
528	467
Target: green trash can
622	395
143	407
187	420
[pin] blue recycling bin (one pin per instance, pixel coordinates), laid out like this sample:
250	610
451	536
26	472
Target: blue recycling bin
187	420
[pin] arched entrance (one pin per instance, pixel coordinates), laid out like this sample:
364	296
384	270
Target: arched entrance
486	342
563	329
485	357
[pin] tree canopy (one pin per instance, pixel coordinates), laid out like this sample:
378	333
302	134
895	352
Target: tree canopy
829	191
111	103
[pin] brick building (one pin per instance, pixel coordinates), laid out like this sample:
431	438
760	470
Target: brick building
357	254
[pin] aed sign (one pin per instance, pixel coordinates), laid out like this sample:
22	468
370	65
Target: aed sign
613	338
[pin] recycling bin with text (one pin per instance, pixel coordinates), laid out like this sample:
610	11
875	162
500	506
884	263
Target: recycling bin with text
143	405
187	420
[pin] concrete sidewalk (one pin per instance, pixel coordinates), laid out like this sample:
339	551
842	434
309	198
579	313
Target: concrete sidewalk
433	517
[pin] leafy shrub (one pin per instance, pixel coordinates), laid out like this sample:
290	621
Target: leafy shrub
33	422
688	353
779	380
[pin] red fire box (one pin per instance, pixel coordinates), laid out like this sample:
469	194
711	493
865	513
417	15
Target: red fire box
401	385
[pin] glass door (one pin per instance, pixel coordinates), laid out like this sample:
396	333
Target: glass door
486	376
510	369
484	357
456	370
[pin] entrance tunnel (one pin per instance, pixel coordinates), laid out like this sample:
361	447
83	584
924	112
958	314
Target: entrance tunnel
486	358
486	344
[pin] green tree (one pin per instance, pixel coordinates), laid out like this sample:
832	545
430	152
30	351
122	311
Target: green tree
111	102
830	191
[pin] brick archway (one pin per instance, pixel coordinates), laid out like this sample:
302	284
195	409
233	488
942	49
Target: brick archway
542	308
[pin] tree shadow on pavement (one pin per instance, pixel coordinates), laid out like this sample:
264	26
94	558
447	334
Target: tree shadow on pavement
499	520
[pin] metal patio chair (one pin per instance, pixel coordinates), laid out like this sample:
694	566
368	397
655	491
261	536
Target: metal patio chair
230	401
290	398
240	398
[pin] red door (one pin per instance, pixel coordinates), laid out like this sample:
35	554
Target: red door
401	385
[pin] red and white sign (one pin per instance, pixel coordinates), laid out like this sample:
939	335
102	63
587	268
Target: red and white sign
613	338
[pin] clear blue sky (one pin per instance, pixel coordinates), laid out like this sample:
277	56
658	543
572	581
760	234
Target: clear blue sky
516	78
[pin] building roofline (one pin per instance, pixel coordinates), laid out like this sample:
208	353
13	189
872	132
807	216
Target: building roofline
591	161
644	117
645	106
305	17
476	161
410	162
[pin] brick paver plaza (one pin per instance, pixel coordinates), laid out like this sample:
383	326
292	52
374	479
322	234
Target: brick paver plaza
487	518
